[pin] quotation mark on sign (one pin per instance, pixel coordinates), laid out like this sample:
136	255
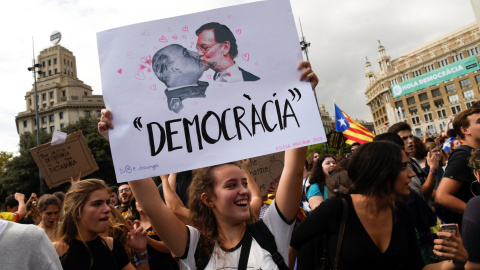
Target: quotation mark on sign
246	56
293	94
137	124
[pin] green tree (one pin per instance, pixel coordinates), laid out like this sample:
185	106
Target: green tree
4	157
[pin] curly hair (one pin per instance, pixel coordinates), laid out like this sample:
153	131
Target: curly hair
318	176
201	215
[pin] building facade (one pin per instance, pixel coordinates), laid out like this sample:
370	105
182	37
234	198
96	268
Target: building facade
62	97
327	121
426	85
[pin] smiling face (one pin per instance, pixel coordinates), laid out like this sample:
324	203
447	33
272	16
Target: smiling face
124	194
404	178
49	216
94	215
327	164
231	201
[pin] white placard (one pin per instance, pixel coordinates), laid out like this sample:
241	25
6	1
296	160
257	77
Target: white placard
254	108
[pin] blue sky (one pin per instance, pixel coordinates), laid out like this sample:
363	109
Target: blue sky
341	33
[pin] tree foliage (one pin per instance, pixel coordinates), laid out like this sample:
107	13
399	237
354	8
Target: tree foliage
4	157
21	172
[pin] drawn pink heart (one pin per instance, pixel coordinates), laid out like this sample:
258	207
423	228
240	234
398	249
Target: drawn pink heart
185	28
184	36
246	56
169	29
153	87
149	70
256	63
174	37
145	33
229	16
119	71
142	66
164	98
238	31
139	75
163	39
209	76
146	59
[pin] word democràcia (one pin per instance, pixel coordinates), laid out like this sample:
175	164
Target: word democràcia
271	116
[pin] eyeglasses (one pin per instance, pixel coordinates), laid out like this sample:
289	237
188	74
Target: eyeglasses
124	190
204	48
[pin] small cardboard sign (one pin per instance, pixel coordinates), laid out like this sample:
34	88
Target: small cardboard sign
60	162
266	170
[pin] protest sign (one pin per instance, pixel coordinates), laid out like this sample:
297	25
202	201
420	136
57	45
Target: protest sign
206	88
266	170
60	162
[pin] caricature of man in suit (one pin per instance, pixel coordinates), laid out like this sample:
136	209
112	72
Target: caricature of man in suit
217	47
179	69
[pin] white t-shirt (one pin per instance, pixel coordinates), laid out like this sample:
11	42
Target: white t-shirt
259	259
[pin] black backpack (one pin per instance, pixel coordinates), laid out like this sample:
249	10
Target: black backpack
260	232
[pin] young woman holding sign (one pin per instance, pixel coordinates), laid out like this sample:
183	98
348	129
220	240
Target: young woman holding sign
220	210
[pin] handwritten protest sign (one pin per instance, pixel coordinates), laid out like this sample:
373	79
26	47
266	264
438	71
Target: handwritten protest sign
266	170
206	88
60	162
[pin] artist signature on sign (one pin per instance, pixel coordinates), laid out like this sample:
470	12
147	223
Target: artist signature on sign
130	169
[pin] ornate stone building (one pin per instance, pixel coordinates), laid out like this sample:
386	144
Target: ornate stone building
62	97
327	121
426	85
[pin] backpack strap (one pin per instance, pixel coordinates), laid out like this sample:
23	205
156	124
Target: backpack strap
341	232
245	251
200	266
266	240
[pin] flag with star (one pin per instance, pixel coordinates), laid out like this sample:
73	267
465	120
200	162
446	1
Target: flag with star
352	130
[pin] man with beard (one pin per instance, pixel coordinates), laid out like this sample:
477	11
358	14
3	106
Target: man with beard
124	197
217	47
179	69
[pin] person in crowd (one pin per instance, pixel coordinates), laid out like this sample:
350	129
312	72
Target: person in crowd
307	172
16	208
32	216
159	256
84	216
454	145
317	192
454	192
471	220
420	152
114	195
124	196
118	228
219	210
353	147
422	183
60	196
48	209
26	247
340	181
437	152
380	233
182	182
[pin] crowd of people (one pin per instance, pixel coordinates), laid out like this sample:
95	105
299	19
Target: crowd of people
382	206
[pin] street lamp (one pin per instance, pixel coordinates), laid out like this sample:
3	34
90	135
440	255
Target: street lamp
36	69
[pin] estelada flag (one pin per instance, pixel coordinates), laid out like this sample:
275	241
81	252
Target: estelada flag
352	130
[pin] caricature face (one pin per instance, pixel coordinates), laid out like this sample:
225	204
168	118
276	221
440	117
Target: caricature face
327	164
94	215
232	196
209	50
404	178
188	62
49	216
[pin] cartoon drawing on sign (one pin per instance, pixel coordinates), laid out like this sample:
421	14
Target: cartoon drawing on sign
217	48
179	69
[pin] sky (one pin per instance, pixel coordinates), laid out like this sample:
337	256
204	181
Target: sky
342	33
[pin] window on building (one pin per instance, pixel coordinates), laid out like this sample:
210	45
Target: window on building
443	63
383	109
49	73
468	95
60	115
465	83
417	73
52	129
442	113
456	109
429	68
54	61
413	110
425	106
44	129
387	98
25	123
457	57
423	97
453	99
416	120
44	105
64	93
50	94
49	63
411	100
44	96
85	93
68	62
438	103
450	88
87	113
428	117
436	92
62	126
470	104
99	113
44	119
56	71
51	118
51	103
393	82
43	64
472	51
399	104
405	77
30	102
